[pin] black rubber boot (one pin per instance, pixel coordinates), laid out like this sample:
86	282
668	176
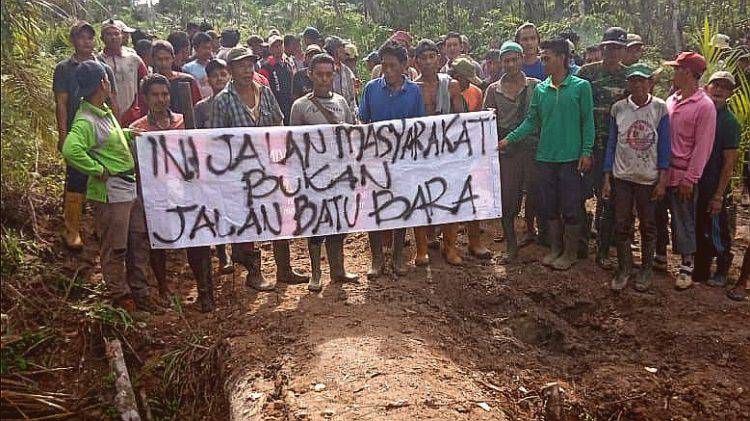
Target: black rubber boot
314	249
284	272
199	259
645	275
376	251
554	238
624	266
511	244
335	253
399	236
570	248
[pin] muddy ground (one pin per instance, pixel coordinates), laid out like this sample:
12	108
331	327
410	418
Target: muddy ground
481	341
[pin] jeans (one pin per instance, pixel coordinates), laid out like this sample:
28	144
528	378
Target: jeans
683	221
560	186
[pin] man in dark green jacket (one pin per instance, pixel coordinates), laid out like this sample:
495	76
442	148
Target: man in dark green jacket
562	108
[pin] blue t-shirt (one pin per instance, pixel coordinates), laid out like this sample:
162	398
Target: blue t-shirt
380	103
535	70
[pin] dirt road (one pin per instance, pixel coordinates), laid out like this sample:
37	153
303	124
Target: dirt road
482	341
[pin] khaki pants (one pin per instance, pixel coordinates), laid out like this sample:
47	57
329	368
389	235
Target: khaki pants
124	248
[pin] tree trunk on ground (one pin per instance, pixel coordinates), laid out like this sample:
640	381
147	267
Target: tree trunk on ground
125	398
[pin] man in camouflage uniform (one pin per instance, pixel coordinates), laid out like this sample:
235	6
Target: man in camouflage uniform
607	78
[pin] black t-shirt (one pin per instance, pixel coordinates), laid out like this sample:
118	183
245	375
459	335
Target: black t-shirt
727	137
64	81
301	84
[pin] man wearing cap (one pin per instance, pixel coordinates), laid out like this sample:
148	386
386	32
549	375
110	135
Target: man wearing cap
301	82
162	57
67	101
343	78
229	39
607	79
128	68
692	122
510	98
713	237
311	36
278	71
527	35
246	103
561	108
97	146
371	60
635	172
634	50
351	56
392	96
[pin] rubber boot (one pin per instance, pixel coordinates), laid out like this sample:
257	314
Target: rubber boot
199	259
570	248
421	234
723	263
476	248
314	249
335	253
225	265
158	262
399	238
554	239
624	266
644	276
511	245
376	252
284	272
450	252
72	213
251	259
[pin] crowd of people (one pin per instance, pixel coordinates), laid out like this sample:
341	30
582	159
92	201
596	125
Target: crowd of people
570	129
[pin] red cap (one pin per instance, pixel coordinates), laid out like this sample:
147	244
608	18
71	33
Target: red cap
689	60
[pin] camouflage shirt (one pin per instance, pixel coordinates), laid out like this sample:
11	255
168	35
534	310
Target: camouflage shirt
608	88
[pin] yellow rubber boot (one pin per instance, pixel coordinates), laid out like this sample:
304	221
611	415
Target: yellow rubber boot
72	213
476	248
450	252
422	257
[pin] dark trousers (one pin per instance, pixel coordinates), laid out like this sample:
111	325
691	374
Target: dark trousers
512	178
560	186
626	195
713	238
75	181
662	226
326	239
604	218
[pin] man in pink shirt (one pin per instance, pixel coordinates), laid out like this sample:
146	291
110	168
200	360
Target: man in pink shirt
692	121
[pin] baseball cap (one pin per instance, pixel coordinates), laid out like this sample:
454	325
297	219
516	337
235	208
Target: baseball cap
240	53
720	41
689	60
723	74
464	67
311	32
401	37
273	39
634	39
256	39
81	26
639	69
89	75
615	36
373	57
510	47
117	24
313	48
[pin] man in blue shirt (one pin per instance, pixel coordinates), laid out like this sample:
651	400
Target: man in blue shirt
391	96
528	36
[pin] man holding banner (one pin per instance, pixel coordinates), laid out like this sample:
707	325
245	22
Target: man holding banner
245	103
323	106
391	96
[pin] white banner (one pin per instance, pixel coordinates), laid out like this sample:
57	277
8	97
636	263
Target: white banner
216	186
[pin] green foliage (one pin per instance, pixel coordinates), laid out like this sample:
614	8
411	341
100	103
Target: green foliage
104	313
14	355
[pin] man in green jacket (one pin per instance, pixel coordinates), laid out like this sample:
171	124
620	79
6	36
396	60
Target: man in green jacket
562	107
97	146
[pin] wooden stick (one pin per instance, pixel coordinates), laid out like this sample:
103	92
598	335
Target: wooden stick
125	398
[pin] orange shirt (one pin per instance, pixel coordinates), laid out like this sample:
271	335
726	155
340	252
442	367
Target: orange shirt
473	97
